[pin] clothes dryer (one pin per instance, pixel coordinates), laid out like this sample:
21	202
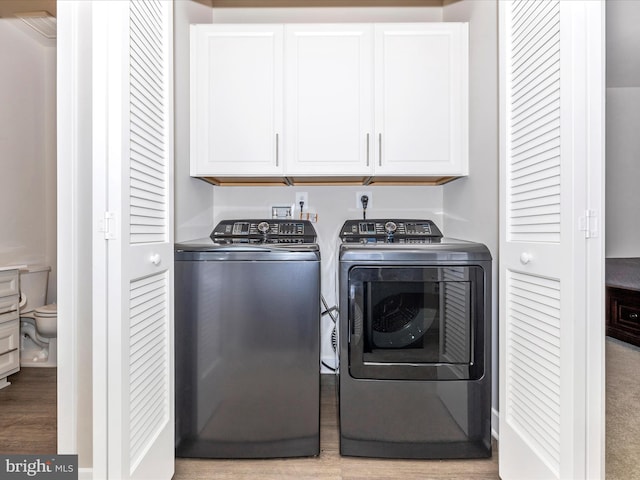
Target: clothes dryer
415	342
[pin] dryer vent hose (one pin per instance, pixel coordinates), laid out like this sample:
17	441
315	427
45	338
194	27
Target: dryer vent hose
331	311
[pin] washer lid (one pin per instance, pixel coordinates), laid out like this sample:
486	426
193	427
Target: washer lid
50	310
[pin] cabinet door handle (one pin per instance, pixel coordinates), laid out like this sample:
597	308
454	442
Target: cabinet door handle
367	149
277	150
380	149
8	351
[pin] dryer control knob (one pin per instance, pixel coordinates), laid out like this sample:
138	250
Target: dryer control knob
263	227
390	227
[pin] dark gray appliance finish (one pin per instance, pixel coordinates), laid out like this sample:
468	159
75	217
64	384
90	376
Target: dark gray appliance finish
247	325
415	338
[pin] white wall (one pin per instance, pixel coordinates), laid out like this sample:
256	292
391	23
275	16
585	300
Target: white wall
471	204
622	129
193	198
27	150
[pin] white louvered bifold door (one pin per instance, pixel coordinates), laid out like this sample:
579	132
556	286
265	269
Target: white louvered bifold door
136	40
551	107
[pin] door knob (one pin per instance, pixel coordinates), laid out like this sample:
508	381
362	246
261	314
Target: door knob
155	258
525	258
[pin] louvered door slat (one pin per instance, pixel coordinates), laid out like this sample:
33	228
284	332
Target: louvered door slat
528	386
539	367
145	38
541	59
149	150
535	116
538	45
144	174
144	149
146	139
145	170
147	361
543	161
544	425
144	85
147	117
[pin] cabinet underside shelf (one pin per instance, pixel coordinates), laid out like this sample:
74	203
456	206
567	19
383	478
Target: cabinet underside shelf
330	180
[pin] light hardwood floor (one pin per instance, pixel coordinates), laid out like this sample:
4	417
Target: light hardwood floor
28	425
28	412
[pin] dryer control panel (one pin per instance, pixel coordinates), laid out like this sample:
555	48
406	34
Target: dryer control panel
397	230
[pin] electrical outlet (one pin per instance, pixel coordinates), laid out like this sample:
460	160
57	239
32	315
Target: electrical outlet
281	212
301	197
359	195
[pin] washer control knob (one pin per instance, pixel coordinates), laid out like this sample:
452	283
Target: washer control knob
390	227
263	227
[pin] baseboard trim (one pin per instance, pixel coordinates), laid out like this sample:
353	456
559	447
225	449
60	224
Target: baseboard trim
495	423
85	474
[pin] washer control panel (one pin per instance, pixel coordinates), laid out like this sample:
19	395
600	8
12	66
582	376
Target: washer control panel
410	231
273	230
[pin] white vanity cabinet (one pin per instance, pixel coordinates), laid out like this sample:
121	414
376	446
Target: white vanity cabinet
329	103
236	100
9	324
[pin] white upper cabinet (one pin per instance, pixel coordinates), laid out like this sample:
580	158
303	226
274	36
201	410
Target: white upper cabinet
421	99
236	100
346	103
328	107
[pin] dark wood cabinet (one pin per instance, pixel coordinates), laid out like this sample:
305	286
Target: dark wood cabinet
623	314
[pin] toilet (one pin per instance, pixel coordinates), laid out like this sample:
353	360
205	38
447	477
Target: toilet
38	321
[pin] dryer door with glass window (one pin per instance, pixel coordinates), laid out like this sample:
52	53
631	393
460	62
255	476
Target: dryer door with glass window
416	322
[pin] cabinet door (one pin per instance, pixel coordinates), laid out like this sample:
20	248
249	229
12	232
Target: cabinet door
421	98
328	101
9	283
9	347
236	99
